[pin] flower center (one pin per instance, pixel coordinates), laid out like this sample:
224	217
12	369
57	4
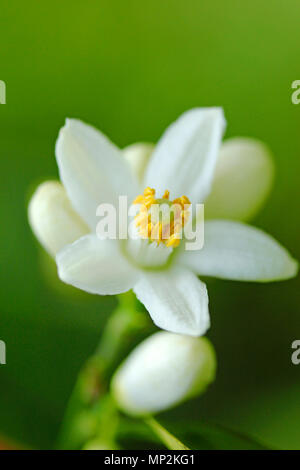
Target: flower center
161	220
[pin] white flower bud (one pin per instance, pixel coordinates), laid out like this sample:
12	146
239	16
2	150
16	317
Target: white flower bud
137	155
52	218
242	181
162	371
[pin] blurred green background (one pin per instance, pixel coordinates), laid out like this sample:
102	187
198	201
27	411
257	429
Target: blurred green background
130	68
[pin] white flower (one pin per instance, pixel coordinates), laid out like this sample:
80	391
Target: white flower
162	371
93	171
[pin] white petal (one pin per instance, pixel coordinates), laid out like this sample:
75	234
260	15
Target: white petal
233	250
242	182
185	157
176	300
92	169
137	155
96	266
53	219
162	371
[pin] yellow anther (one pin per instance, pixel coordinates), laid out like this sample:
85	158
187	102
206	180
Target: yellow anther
183	201
165	227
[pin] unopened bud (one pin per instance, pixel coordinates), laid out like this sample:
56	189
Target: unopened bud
52	218
163	371
242	180
137	155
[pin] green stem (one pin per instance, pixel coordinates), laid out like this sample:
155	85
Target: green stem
84	415
171	442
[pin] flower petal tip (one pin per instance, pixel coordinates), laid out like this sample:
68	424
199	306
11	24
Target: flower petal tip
292	269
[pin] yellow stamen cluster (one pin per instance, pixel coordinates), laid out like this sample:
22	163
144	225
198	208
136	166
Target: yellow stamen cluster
164	226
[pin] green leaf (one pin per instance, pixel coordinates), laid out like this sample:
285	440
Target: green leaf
206	436
135	434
